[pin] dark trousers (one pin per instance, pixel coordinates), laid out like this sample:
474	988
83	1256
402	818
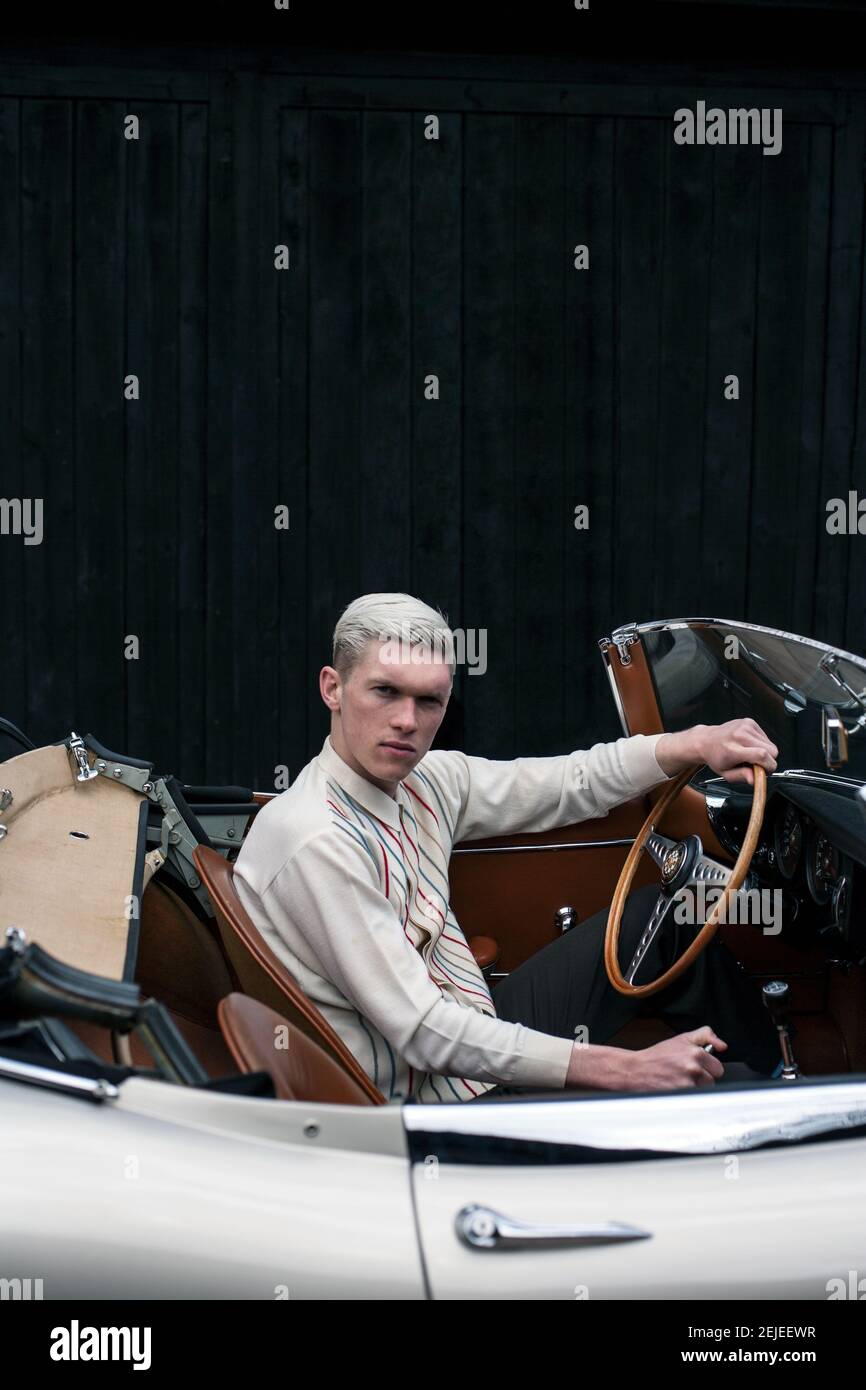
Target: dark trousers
565	985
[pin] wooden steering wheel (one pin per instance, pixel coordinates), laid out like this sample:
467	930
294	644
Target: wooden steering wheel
683	864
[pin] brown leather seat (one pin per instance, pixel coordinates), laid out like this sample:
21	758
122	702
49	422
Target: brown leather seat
485	949
263	976
260	1040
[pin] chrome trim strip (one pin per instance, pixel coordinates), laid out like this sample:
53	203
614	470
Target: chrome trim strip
92	1089
808	774
517	849
596	1129
672	623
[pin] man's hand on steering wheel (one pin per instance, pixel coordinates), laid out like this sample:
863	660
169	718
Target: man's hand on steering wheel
730	749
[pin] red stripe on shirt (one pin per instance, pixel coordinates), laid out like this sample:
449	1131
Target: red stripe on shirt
422	801
387	875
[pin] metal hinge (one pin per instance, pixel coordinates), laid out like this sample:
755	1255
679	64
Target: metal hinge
76	746
622	639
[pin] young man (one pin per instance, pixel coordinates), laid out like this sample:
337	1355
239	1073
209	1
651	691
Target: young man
345	874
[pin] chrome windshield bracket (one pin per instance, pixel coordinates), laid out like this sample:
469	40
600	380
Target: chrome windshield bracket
622	639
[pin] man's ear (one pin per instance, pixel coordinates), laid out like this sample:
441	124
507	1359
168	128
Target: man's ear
330	688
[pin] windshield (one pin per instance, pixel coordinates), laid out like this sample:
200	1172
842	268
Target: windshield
708	670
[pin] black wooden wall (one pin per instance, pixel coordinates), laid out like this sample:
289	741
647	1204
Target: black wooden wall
305	387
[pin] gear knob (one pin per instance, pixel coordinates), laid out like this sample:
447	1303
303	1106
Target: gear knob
776	996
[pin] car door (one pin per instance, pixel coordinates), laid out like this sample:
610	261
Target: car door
147	1190
728	1192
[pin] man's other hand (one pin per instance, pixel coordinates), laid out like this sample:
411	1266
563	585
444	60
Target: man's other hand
666	1066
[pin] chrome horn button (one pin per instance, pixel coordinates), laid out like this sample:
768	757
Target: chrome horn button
676	862
673	862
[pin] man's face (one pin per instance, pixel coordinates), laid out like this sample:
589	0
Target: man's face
385	715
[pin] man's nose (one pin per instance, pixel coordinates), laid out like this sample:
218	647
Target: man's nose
405	715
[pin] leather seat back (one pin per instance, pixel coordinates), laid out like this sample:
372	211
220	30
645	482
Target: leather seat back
262	974
261	1040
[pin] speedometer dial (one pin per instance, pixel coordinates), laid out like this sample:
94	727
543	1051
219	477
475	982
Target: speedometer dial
822	867
788	837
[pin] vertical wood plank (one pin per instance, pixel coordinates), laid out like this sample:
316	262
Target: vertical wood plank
773	548
673	575
101	154
841	364
387	521
153	523
337	176
488	425
540	514
854	638
250	492
49	610
588	612
14	555
730	349
292	746
219	692
637	232
189	751
810	513
437	558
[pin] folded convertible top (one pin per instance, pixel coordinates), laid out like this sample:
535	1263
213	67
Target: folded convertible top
72	860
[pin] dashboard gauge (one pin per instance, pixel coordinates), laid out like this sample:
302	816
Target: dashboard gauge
822	868
788	837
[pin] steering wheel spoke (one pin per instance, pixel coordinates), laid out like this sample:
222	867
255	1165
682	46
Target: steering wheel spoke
709	871
662	906
658	846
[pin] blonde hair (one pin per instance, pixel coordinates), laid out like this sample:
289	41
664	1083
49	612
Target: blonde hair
390	618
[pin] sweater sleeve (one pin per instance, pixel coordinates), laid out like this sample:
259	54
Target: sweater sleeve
330	891
527	794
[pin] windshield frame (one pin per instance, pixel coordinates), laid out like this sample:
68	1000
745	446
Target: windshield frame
848	699
657	624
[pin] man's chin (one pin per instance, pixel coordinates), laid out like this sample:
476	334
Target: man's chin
397	760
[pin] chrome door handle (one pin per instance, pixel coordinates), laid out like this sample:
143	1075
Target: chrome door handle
484	1229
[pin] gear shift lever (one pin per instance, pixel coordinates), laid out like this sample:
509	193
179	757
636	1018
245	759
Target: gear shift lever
775	996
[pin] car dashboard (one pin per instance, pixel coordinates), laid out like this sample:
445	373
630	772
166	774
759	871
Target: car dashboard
811	850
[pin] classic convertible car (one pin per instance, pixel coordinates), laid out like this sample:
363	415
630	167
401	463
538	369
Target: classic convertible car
178	1121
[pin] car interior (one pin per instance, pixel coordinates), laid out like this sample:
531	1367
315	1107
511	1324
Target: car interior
191	965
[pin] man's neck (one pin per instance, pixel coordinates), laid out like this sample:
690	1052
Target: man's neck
339	747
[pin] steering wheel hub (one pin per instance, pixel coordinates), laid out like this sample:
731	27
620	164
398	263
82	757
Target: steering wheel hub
674	866
674	860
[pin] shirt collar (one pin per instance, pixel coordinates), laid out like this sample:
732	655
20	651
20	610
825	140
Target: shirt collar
371	797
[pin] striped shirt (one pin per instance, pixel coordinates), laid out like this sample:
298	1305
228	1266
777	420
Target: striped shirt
349	887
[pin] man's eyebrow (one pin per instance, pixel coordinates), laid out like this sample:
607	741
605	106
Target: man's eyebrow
389	680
